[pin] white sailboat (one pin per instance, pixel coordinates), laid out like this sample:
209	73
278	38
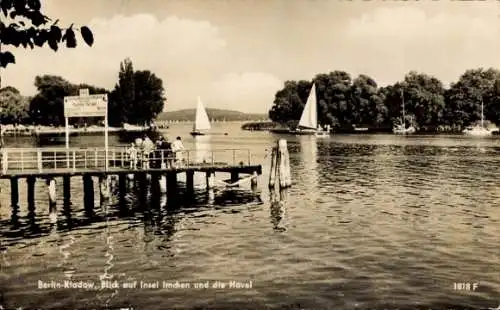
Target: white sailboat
201	122
308	123
401	129
480	130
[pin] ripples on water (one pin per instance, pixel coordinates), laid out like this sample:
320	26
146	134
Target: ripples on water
370	222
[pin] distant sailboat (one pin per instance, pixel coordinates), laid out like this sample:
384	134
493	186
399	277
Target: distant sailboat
308	123
480	130
201	122
401	129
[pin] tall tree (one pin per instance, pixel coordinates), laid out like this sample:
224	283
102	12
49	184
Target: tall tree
138	96
423	97
368	102
335	106
122	98
464	97
149	97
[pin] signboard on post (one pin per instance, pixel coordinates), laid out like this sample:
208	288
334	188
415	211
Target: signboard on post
86	105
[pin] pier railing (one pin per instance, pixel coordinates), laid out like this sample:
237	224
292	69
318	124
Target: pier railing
41	160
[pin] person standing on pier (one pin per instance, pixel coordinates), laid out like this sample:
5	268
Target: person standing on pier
167	149
132	155
178	148
139	146
148	148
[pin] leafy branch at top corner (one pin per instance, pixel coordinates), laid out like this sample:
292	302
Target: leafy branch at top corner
19	33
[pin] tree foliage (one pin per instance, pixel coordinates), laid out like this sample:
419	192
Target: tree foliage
47	106
138	96
24	24
345	103
14	107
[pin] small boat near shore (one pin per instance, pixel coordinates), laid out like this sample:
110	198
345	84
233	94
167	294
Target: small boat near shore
479	130
401	129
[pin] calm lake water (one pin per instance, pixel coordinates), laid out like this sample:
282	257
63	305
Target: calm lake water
371	221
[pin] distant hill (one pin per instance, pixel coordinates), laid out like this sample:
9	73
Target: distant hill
213	114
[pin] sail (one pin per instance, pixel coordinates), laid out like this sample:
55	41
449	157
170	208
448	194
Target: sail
201	121
309	118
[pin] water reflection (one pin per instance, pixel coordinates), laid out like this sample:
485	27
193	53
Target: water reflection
153	208
202	148
278	209
309	162
110	257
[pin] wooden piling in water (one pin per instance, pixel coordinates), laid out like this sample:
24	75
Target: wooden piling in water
171	183
253	181
142	181
14	192
30	182
284	164
280	173
88	193
190	181
104	187
234	177
210	176
51	187
67	189
163	179
122	188
155	184
272	171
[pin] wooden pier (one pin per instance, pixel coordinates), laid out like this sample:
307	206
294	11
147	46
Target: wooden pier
90	164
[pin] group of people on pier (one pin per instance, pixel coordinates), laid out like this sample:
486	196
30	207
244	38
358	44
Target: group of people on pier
146	154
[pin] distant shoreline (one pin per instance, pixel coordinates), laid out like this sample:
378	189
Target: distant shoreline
33	130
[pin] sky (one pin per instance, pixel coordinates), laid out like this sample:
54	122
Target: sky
235	54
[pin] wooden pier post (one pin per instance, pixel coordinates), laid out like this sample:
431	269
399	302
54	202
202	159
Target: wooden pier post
171	183
67	190
155	184
14	192
104	187
113	180
122	188
272	171
88	193
253	181
284	164
142	179
51	187
234	177
30	181
210	176
190	181
162	180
